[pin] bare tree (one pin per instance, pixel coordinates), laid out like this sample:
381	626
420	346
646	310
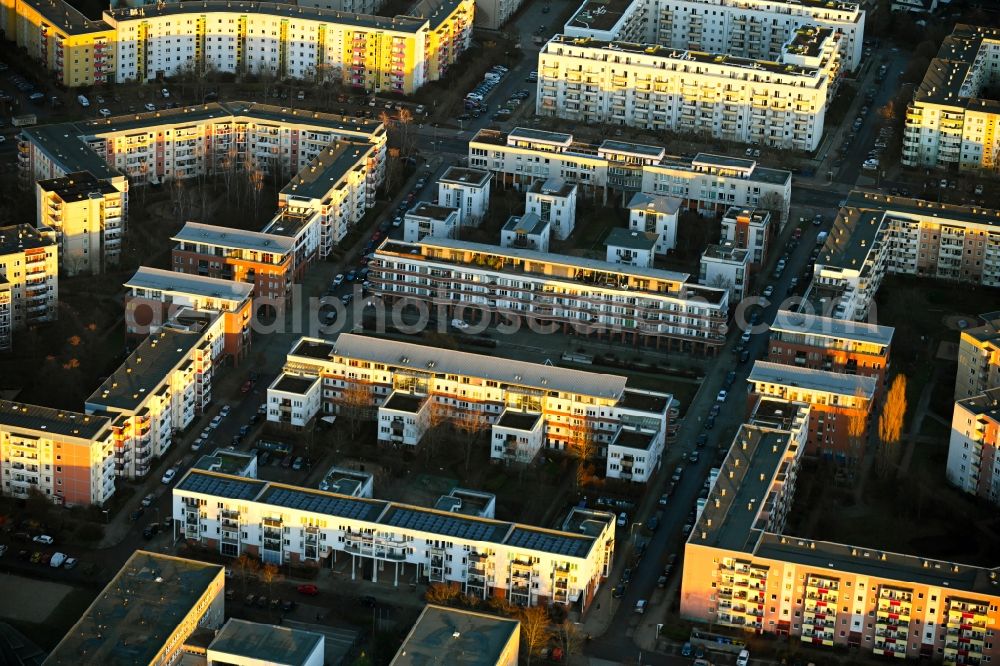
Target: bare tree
569	638
535	630
582	447
269	573
470	424
355	403
248	567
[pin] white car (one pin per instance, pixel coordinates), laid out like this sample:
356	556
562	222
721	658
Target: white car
622	519
745	338
339	280
105	113
149	106
148	499
768	291
225	410
744	658
398	221
169	475
44	539
459	324
722	396
165	93
196	444
216	421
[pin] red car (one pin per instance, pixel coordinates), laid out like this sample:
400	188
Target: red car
308	590
247	385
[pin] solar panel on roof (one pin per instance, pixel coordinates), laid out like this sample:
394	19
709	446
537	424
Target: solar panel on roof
329	505
210	484
549	543
454	526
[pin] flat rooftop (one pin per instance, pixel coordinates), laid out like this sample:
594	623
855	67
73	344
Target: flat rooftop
405	402
529	224
466	176
226	461
21	237
632	438
947	78
137	612
599	14
66	18
21	416
642	150
312	348
454	636
552	187
644	401
236	239
431	211
385	513
518	420
172	282
76	186
269	643
830	327
755	215
726	252
437	361
299	385
984	404
808	41
633	240
539	136
816	380
328	169
655	203
775	413
290	221
144	370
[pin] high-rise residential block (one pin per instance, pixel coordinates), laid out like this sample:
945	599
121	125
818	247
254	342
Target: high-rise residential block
29	270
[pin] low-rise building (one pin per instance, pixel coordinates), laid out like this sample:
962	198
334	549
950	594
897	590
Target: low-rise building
89	216
468	190
640	306
526	231
630	247
655	214
242	643
427	219
517	436
750	229
708	183
146	613
155	297
727	267
973	460
403	418
834	399
29	267
449	635
346	481
64	456
554	201
285	524
293	400
230	461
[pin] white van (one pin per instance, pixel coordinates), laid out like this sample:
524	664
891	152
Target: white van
84	102
640	606
57	560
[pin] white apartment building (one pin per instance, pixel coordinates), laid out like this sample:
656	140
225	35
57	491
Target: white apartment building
655	214
875	234
468	190
293	400
728	267
517	436
574	295
159	390
634	455
780	103
950	123
554	202
973	460
65	456
384	540
427	219
408	380
754	28
630	248
526	231
708	183
750	229
89	217
618	20
404	418
29	267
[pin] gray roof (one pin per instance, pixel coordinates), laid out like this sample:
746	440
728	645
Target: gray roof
529	223
528	134
655	202
454	636
949	72
404	402
807	378
513	418
76	186
829	327
299	384
281	646
158	279
506	371
633	240
640	149
210	234
466	176
20	416
220	485
21	237
553	187
327	169
131	620
727	252
432	211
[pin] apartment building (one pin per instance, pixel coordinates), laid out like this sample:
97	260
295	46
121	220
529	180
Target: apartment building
834	399
708	183
979	357
742	571
778	103
76	50
243	643
655	214
402	380
832	345
754	28
750	229
728	267
630	247
527	231
303	42
155	297
449	635
875	234
468	190
29	267
159	389
639	306
951	123
64	456
265	260
973	460
6	329
428	219
622	20
554	202
145	615
89	217
293	400
285	524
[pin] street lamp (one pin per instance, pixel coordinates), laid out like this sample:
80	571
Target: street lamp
631	531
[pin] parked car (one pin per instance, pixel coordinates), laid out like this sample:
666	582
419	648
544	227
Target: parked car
768	291
721	397
744	658
44	539
687	650
148	499
169	475
70	563
217	420
701	441
640	606
309	590
622	519
297	463
678	473
136	515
